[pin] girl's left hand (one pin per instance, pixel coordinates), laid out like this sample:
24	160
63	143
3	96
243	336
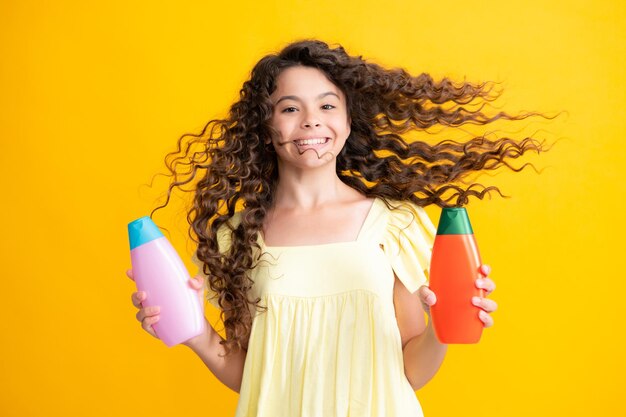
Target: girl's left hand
428	297
487	305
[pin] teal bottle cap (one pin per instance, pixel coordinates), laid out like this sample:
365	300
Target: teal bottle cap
454	221
142	230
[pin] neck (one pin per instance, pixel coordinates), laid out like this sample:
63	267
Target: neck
308	188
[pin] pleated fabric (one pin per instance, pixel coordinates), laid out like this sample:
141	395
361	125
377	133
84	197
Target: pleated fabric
328	344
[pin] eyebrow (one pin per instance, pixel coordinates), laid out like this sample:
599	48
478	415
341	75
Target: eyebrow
296	98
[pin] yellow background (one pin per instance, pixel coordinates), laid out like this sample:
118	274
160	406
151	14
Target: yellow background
94	94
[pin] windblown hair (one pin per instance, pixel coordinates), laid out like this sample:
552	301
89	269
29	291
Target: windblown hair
234	167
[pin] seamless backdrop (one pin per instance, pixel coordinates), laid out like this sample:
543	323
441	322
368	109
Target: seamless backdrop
94	94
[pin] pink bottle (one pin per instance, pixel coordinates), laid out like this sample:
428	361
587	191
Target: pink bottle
159	271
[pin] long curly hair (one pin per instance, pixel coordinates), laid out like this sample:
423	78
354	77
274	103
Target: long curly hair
232	167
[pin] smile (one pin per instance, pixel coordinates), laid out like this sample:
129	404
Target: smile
311	141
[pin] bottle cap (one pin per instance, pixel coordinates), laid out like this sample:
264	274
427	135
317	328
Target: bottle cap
454	221
141	231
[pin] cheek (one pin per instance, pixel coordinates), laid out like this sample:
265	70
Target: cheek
347	129
276	130
282	127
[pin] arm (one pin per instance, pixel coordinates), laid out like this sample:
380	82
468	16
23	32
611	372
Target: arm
228	369
423	354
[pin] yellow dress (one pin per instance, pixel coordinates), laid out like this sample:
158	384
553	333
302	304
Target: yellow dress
329	344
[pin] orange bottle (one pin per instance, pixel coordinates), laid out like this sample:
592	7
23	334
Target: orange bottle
454	268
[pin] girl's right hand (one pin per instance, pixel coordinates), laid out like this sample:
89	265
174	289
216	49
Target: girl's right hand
147	316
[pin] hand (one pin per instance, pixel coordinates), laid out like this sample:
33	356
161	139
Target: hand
147	316
428	297
487	305
199	284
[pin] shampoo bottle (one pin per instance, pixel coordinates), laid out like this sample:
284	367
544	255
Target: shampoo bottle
161	274
454	269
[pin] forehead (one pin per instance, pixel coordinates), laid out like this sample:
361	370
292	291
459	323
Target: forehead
304	82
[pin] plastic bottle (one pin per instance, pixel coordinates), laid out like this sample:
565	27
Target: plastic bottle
161	274
454	268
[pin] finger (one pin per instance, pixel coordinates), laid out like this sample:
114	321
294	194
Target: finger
137	298
142	314
486	284
197	283
427	296
485	318
129	274
485	303
147	313
485	269
147	324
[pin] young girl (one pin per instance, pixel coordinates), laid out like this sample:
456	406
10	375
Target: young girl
312	237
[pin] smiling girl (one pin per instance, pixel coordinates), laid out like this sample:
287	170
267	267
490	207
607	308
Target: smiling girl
312	236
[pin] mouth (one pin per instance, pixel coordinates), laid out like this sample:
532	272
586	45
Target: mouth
311	142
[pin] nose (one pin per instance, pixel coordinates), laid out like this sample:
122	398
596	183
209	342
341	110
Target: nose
311	124
310	120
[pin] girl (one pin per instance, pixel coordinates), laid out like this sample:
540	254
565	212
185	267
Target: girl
312	237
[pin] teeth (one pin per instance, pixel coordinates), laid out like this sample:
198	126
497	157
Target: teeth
314	141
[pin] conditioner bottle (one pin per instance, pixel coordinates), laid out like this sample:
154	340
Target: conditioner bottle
161	274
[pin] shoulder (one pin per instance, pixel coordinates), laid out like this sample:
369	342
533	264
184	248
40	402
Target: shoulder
406	210
389	219
405	221
402	214
407	241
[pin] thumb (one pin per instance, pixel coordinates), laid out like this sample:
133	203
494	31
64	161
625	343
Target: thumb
427	297
197	283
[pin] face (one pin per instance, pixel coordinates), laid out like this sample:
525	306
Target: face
310	116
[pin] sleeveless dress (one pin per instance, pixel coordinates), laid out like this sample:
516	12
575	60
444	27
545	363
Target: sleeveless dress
329	344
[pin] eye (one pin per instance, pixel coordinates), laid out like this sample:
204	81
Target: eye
328	107
289	110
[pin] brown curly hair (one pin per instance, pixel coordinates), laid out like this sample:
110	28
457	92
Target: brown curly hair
232	167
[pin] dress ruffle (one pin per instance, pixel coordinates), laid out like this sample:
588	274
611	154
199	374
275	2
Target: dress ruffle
408	241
